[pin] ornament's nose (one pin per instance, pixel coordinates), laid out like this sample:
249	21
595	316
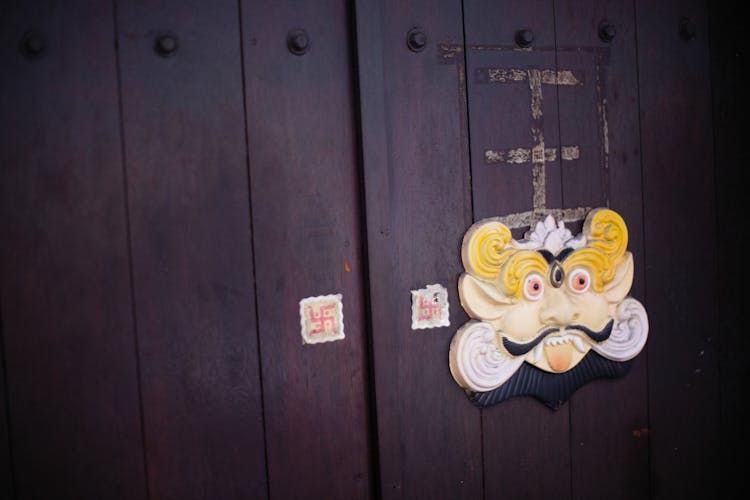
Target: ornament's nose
557	309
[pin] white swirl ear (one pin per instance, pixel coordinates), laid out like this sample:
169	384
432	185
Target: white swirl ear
476	363
629	332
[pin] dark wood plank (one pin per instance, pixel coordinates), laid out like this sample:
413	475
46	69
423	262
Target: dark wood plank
191	243
306	226
731	107
505	113
680	252
418	206
6	464
64	279
583	107
526	445
609	418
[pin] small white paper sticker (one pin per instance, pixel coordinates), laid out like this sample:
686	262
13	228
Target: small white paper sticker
429	307
321	319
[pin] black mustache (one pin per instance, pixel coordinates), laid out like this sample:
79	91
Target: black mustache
516	349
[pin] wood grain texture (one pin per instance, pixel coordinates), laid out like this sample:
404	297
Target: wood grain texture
306	233
192	261
6	460
64	280
731	105
418	206
522	438
503	116
253	178
609	418
680	252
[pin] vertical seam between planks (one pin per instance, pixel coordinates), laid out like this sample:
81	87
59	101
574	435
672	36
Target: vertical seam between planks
6	398
373	434
470	184
252	247
710	20
129	241
466	103
557	106
643	234
718	246
562	205
481	448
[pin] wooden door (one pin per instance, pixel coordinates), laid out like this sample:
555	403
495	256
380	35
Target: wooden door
69	353
623	118
176	178
174	182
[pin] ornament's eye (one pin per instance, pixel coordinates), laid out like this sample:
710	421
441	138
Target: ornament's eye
533	288
579	280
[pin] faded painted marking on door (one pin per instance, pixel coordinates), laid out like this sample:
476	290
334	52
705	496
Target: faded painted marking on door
526	219
448	53
570	153
523	155
513	75
538	154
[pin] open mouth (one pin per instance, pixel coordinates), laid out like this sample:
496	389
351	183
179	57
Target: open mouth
559	350
557	345
558	341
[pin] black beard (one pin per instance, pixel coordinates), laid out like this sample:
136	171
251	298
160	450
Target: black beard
552	389
517	349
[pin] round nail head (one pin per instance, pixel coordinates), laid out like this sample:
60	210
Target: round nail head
524	38
166	45
33	45
416	40
607	32
687	29
298	42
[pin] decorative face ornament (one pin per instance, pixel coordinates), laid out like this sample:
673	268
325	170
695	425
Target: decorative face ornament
550	311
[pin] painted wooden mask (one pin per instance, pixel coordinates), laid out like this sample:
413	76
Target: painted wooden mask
550	311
